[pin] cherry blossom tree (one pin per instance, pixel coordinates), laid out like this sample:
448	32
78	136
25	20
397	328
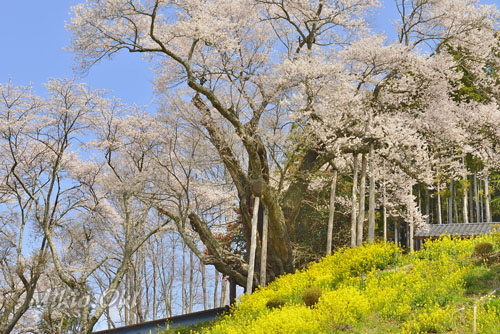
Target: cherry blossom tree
118	220
238	74
35	138
266	100
280	88
80	207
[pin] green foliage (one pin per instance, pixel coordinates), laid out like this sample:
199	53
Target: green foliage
434	319
492	305
187	329
310	229
233	239
483	249
495	194
496	235
342	308
276	302
469	88
488	318
481	279
311	295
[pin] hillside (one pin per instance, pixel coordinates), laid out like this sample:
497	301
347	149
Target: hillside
376	289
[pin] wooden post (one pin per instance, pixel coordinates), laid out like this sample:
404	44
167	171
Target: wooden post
412	225
216	286
232	291
396	233
371	196
384	212
354	200
253	245
362	199
263	255
384	209
471	202
412	242
332	213
475	319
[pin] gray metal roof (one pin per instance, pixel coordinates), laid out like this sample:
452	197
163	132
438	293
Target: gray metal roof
156	326
435	230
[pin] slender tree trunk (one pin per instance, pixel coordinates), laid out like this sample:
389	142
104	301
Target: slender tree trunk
183	284
471	201
354	200
84	319
455	206
253	245
410	238
419	199
191	282
154	263
171	283
132	310
476	195
146	282
331	213
465	209
371	204
481	206
450	203
138	288
223	294
384	212
60	327
427	205
411	226
433	208
10	319
487	196
407	234
109	320
396	233
439	216
204	285
263	253
362	197
216	286
126	295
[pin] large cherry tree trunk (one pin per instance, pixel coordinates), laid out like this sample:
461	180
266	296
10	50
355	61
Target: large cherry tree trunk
283	208
283	211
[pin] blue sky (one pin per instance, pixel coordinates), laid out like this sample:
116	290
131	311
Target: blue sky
32	51
33	37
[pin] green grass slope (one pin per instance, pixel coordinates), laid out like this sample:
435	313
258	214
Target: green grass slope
376	289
